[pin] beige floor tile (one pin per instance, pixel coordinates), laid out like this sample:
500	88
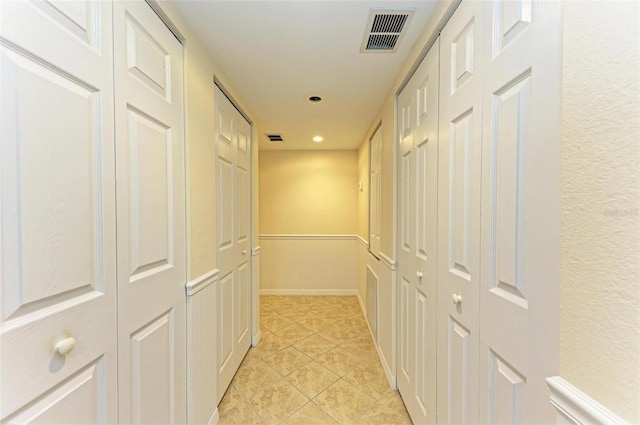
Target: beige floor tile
296	316
344	402
269	343
277	401
363	349
286	361
251	379
293	334
370	379
276	323
339	361
355	323
312	379
314	345
389	410
231	399
241	414
338	334
310	414
317	322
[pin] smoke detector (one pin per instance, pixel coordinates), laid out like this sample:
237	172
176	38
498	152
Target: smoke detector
385	28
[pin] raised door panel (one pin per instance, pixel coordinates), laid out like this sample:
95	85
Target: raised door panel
150	195
57	224
151	217
461	387
459	214
521	198
505	396
80	399
226	334
243	303
152	370
406	335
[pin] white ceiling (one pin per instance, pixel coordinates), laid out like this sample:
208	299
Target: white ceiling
278	53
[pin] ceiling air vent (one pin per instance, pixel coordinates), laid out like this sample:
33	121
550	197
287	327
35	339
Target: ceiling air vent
275	137
385	29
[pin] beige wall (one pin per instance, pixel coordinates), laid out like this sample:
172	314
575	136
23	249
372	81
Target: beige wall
363	196
308	192
600	239
200	69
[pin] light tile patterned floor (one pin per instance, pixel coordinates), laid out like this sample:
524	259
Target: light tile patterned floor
315	364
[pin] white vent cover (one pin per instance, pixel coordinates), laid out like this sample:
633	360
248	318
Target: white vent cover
385	29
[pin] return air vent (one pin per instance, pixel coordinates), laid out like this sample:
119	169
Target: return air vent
275	137
385	29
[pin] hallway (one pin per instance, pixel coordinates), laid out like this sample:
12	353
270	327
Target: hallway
315	364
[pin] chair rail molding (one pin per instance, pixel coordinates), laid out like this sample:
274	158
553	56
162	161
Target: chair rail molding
576	407
199	283
387	261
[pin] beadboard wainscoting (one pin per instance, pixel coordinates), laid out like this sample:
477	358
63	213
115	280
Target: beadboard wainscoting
201	349
309	264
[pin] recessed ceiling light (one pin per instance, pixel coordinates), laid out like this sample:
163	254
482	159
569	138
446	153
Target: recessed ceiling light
318	139
315	99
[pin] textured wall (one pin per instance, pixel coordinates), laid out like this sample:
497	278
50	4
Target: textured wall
600	263
308	192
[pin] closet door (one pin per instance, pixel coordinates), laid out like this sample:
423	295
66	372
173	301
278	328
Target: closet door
520	199
57	221
234	288
151	217
459	214
417	271
375	191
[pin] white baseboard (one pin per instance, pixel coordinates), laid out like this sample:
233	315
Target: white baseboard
575	407
256	338
215	418
362	307
339	292
387	370
383	361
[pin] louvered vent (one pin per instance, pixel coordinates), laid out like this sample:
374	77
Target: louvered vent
275	137
385	29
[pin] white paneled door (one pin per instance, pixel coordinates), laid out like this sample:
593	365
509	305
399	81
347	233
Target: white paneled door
520	210
417	266
57	221
151	217
459	205
233	162
375	192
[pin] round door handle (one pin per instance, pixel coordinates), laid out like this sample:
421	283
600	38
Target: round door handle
419	274
456	298
244	252
65	346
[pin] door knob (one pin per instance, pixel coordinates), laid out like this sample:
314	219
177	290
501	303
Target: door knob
244	252
456	298
419	274
65	346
